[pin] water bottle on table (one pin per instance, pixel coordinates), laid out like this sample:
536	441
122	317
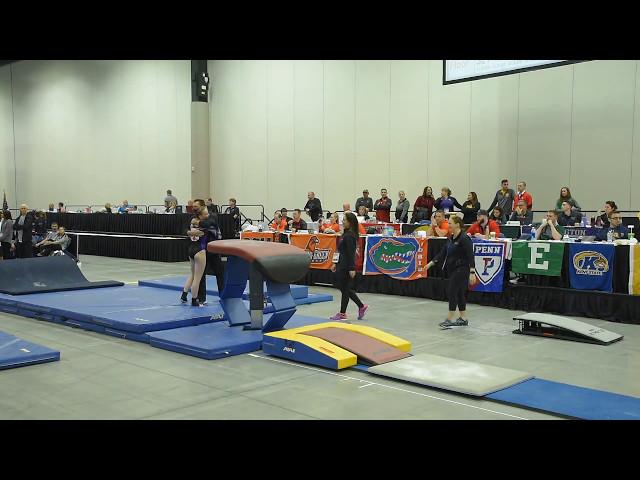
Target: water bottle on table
533	232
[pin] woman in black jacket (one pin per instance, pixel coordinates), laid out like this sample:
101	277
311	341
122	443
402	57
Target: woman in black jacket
470	208
458	259
345	268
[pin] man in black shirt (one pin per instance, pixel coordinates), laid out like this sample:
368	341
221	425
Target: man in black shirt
313	207
22	227
212	207
365	200
297	223
235	211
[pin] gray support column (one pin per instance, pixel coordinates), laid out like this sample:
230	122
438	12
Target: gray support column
200	167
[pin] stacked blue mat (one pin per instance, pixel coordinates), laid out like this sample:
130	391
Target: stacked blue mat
300	293
15	352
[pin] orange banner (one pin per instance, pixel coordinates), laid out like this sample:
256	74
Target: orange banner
262	236
319	246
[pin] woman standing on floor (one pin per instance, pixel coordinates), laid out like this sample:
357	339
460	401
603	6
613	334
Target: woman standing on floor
6	234
458	258
345	268
197	261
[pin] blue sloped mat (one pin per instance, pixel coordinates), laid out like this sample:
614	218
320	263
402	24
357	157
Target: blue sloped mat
570	400
314	298
128	309
177	283
15	352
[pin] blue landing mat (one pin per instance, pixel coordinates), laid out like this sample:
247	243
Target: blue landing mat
128	309
570	400
314	298
177	283
217	340
15	352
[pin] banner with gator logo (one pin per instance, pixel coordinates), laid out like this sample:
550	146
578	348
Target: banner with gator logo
490	260
591	266
319	247
537	257
402	258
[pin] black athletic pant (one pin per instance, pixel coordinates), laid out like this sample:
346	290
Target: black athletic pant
24	250
346	284
214	266
6	250
458	288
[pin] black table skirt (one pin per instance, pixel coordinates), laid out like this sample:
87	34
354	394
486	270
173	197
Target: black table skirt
580	303
170	250
151	224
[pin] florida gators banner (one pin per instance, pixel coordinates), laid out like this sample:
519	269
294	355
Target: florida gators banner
591	266
634	269
402	258
489	258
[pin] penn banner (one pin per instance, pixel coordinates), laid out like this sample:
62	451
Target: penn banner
591	266
537	257
634	269
402	258
489	258
319	247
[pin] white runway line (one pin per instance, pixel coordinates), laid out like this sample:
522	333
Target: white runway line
346	377
367	385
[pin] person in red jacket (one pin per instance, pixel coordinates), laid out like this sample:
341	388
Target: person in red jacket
484	226
383	207
423	207
523	194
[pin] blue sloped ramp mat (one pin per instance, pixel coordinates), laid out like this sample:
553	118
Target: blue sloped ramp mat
177	283
570	400
45	274
314	298
15	352
208	341
128	309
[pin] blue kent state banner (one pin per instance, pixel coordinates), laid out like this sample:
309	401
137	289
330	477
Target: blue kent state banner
489	258
591	266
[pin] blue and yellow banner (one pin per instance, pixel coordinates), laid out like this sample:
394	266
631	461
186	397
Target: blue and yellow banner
402	258
591	266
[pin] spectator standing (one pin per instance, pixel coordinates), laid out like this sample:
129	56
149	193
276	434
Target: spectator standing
470	208
124	208
365	200
106	209
522	194
234	211
313	207
402	208
169	198
565	196
6	234
190	207
383	207
423	206
61	208
51	208
22	228
445	201
504	199
212	207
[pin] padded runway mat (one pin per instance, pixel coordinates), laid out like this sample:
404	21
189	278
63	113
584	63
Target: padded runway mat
15	352
47	274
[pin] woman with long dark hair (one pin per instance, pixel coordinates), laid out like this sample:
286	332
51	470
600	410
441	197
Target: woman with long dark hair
197	260
423	207
470	208
458	259
345	268
565	196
